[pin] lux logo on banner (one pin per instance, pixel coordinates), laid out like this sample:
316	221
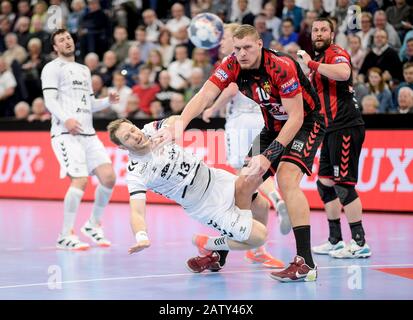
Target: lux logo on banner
8	159
397	180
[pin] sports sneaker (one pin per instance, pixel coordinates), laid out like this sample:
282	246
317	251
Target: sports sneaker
199	241
352	251
209	261
327	247
298	270
95	233
263	257
71	242
283	218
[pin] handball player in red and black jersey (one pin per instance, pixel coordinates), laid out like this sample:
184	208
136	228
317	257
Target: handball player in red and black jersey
331	76
294	128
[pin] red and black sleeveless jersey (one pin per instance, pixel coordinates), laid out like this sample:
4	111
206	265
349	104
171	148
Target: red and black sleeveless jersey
278	76
338	103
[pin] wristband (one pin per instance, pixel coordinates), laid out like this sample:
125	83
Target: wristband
313	65
141	236
274	150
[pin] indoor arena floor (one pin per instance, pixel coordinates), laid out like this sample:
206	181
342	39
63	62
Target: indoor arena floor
31	267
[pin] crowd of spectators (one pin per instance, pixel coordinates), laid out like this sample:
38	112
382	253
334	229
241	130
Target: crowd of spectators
140	48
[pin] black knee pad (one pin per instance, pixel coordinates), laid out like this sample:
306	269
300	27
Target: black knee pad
326	193
346	193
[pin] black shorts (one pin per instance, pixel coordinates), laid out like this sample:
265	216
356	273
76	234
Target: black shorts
340	153
300	151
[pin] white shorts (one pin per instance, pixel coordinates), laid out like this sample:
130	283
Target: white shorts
217	208
79	155
239	135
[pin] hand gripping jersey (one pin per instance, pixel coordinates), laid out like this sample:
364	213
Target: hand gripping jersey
337	97
278	76
171	171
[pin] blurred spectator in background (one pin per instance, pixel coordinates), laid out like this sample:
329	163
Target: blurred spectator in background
165	47
39	111
145	91
369	104
23	9
400	16
275	45
304	37
367	31
121	45
318	8
132	108
153	25
178	22
144	46
14	50
408	80
22	31
292	49
7	88
177	104
94	30
180	69
242	14
377	87
92	62
108	67
260	25
196	81
383	57
287	32
78	10
6	9
408	53
155	64
165	93
32	68
340	11
22	110
356	52
119	86
201	59
368	6
273	23
5	28
131	69
380	23
157	111
40	33
291	11
405	100
39	15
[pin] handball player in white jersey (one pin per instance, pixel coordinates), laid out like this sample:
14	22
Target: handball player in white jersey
244	122
206	194
68	94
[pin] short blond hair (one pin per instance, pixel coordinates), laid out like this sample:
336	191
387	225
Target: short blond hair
113	126
231	27
245	30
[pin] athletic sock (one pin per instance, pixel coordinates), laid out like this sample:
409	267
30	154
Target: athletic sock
335	231
71	204
303	244
357	233
217	243
102	197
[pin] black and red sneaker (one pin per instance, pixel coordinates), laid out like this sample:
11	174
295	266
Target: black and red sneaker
200	263
298	270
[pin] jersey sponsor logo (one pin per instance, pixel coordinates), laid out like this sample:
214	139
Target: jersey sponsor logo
340	59
297	145
221	75
77	83
336	170
290	86
83	110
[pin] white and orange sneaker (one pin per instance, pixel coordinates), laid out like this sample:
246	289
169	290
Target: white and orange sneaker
199	241
71	242
95	233
261	256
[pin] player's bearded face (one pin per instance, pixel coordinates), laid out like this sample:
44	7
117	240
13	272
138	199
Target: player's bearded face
321	36
64	45
248	52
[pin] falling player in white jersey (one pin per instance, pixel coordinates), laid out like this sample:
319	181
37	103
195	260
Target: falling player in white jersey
208	195
68	94
243	123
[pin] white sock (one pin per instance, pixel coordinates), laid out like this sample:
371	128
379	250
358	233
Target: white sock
217	243
71	204
102	197
275	197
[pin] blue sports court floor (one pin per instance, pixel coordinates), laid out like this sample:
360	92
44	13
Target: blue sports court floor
31	268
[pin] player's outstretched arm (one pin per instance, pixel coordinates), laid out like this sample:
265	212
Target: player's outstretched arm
222	101
138	224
